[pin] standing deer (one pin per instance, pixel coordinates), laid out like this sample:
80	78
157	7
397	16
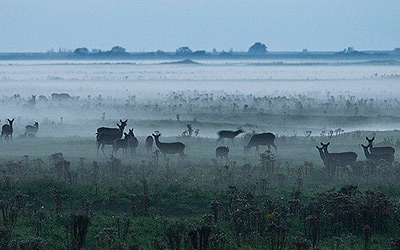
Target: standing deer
333	160
170	148
32	130
222	151
387	157
149	143
7	130
116	131
31	103
261	139
120	143
379	150
133	142
322	154
228	134
103	139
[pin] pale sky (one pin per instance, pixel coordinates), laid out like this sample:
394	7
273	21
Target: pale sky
149	25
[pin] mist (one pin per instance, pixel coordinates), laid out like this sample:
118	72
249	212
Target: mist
147	91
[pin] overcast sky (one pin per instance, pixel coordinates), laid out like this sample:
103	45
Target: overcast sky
149	25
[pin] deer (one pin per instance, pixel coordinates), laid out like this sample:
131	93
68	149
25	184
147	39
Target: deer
222	151
322	154
103	139
31	103
379	150
149	143
32	130
7	130
116	131
387	157
228	134
170	148
133	142
261	139
338	159
120	143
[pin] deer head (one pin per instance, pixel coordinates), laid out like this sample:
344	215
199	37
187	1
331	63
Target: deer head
156	136
123	122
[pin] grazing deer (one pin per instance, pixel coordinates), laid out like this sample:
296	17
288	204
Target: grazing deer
133	142
7	130
261	139
103	139
149	144
379	150
228	134
222	151
387	157
116	131
32	130
170	148
120	143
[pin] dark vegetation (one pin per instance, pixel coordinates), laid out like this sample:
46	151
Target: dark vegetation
257	50
72	199
291	114
261	202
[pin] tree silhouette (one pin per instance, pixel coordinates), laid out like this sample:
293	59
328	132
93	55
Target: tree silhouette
183	51
81	51
118	50
258	48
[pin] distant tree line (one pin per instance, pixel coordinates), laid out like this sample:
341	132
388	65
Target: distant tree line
257	48
116	50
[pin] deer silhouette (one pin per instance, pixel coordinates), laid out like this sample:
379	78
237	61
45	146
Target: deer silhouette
170	148
133	142
7	130
32	130
259	140
120	143
222	151
149	143
322	154
379	150
387	157
228	134
333	160
343	158
116	131
104	138
31	103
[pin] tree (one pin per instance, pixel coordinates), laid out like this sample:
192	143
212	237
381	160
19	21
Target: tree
258	48
81	51
199	53
183	51
118	50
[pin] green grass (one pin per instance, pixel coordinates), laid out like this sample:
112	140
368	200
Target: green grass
180	192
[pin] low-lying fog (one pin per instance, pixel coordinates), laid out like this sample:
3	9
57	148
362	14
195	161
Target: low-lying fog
282	97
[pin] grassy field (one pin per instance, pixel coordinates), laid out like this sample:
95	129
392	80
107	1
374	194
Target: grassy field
284	201
57	193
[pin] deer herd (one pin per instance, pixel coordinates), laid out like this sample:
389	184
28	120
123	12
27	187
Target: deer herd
129	143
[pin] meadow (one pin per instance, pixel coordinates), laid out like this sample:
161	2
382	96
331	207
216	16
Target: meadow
57	193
